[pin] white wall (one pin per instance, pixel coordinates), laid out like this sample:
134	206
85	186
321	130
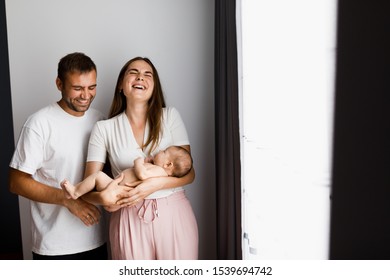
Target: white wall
177	35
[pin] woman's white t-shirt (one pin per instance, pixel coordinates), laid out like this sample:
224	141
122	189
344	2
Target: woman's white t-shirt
115	138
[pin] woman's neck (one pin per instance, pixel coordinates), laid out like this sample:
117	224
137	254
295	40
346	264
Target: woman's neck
136	114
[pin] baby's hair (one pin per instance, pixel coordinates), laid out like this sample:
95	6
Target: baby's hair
182	161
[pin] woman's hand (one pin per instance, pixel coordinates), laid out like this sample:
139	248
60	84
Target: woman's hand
114	191
140	190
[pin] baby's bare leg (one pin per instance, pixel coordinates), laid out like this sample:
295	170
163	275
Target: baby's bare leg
99	179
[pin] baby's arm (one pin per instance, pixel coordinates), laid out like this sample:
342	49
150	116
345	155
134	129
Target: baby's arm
145	170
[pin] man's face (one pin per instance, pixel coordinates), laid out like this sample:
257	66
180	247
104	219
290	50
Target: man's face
78	91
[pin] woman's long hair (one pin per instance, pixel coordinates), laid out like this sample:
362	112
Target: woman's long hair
155	104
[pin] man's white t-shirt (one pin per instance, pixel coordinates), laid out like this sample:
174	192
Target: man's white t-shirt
52	147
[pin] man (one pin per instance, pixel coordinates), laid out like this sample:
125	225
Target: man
53	145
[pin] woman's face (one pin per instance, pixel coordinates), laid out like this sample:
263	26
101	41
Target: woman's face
138	82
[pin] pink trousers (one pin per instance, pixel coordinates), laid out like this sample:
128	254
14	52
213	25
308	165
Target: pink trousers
155	229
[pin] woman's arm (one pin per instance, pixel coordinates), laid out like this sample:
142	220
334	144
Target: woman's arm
152	185
108	196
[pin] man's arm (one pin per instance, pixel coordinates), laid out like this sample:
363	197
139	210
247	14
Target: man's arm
23	184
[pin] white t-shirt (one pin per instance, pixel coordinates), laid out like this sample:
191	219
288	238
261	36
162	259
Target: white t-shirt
115	137
53	146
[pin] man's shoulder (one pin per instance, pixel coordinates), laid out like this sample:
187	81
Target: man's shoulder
41	114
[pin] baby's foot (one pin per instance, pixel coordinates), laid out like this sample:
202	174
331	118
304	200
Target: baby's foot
68	189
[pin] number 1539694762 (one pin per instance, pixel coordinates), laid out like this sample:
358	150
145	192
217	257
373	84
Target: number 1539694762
242	270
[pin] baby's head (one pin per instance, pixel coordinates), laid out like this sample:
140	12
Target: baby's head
176	161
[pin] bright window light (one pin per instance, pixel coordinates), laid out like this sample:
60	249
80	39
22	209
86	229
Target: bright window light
287	93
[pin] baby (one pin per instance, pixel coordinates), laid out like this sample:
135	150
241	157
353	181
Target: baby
173	161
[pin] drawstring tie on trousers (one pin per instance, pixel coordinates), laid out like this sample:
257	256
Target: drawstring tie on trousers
148	210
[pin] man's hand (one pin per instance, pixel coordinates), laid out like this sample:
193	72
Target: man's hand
88	213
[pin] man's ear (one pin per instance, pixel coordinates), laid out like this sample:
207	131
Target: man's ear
59	84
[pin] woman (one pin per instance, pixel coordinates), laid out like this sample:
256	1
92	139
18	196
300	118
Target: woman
157	221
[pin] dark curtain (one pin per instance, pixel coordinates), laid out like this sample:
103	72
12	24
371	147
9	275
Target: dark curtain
228	169
11	243
360	224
